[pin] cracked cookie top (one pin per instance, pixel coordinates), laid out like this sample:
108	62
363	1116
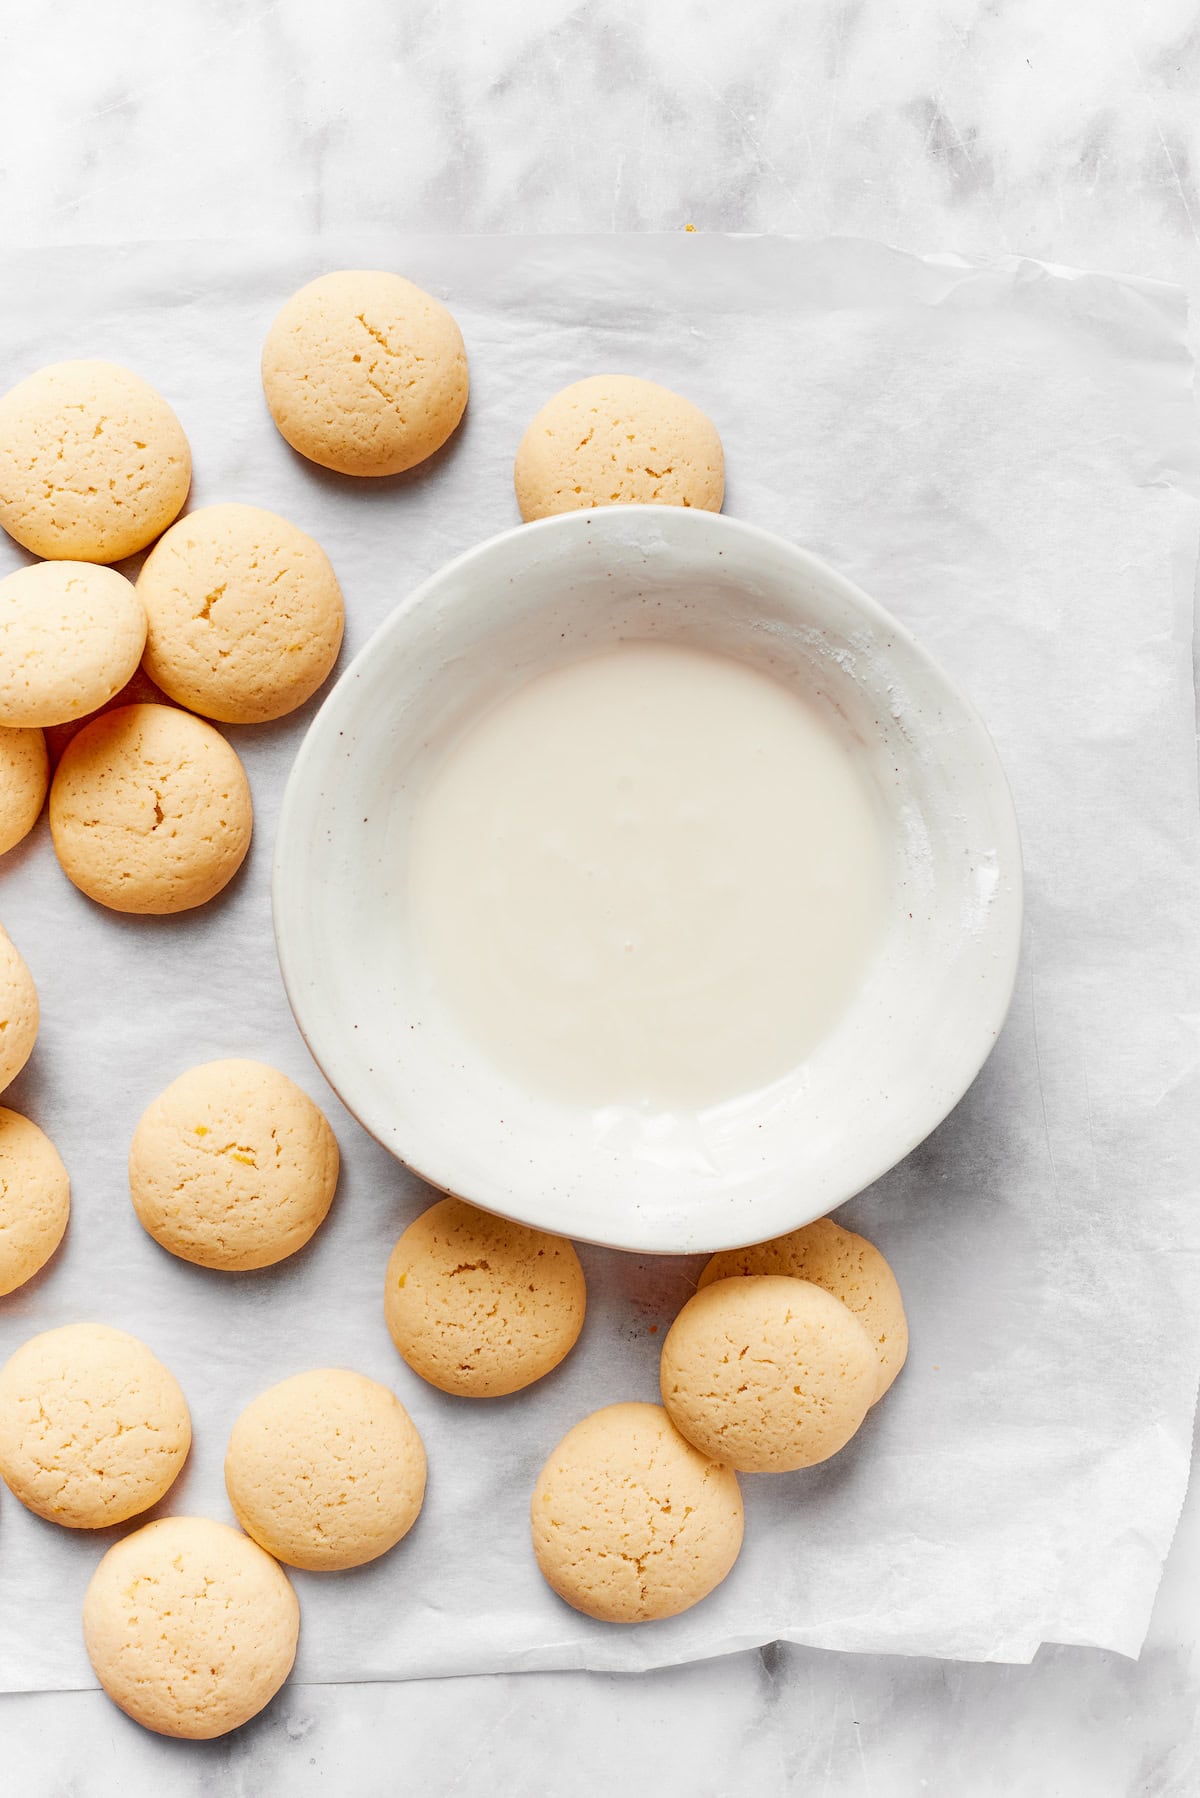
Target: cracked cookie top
618	440
847	1265
232	1166
244	614
768	1373
481	1306
150	810
93	1428
93	462
365	373
629	1521
326	1469
190	1627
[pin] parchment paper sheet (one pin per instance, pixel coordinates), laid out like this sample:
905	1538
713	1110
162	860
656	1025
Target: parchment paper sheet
1005	456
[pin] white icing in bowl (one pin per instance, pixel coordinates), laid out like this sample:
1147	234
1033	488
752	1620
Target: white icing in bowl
896	1061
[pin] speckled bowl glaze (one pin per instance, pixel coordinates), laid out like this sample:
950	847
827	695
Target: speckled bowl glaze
930	1006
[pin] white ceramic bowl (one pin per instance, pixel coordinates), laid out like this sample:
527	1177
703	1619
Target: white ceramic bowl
900	1058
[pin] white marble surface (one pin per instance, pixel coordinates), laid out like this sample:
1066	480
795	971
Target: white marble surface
1068	131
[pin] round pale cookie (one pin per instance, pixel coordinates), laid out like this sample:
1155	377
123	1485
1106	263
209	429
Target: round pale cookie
245	614
848	1266
233	1166
326	1470
24	777
19	1011
93	1428
93	462
35	1199
364	373
480	1306
190	1627
150	810
618	440
71	634
767	1373
629	1521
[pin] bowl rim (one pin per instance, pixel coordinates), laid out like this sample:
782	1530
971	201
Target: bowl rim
325	1051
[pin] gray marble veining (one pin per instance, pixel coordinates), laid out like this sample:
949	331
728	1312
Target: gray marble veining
1067	131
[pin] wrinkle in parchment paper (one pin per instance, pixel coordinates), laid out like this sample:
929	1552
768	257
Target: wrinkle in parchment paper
1005	457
